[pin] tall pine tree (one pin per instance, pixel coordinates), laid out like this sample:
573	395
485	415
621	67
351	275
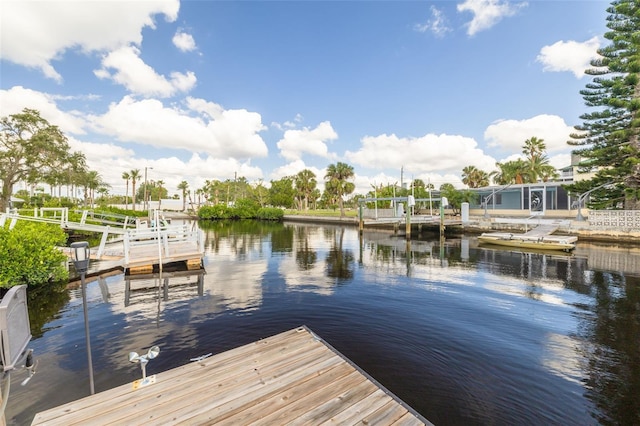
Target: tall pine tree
608	140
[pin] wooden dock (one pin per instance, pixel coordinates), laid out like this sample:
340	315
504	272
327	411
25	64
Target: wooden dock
291	378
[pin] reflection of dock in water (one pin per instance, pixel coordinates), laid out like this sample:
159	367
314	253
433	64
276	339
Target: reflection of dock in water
398	244
616	258
166	286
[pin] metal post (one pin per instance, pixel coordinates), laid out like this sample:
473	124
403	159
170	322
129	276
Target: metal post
81	256
579	217
86	331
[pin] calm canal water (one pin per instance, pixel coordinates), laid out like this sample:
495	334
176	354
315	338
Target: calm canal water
464	334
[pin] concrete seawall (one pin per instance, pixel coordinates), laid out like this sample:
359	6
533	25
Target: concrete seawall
352	221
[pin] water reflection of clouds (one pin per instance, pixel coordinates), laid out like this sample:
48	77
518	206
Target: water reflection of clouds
432	270
312	279
306	269
545	278
444	277
238	284
538	290
561	358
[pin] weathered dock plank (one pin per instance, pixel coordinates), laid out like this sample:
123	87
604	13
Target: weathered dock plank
290	378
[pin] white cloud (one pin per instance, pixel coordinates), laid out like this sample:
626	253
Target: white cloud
569	56
511	134
296	143
202	106
138	77
171	170
17	98
425	154
96	152
288	124
438	24
228	137
233	134
293	168
560	160
34	33
487	13
184	41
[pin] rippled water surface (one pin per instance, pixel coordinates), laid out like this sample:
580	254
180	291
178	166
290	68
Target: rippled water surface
464	334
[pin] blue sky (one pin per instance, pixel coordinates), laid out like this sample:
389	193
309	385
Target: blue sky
203	89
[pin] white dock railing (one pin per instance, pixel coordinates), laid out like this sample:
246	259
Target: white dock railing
171	242
89	220
139	239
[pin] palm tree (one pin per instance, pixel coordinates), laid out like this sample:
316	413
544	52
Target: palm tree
315	196
474	177
482	179
512	172
337	182
467	175
76	168
126	176
92	181
305	184
534	150
135	175
548	172
184	186
103	190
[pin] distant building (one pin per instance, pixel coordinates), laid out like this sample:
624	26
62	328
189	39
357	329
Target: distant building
571	172
540	198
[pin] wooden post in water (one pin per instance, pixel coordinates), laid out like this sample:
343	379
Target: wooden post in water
361	225
408	224
441	220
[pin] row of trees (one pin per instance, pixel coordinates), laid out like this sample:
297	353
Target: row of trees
45	157
36	152
535	167
299	191
152	190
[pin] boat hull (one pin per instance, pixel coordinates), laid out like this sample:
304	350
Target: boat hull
567	243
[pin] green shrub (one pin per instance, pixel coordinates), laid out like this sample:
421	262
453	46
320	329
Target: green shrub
244	209
28	254
123	212
217	212
270	213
